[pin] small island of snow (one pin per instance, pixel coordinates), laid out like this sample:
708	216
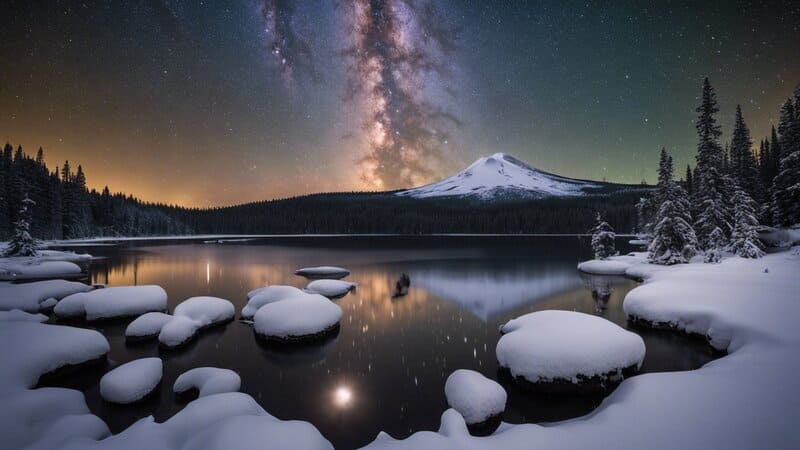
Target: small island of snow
330	288
131	381
323	272
269	294
112	302
299	318
565	351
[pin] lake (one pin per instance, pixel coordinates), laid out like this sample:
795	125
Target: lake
385	369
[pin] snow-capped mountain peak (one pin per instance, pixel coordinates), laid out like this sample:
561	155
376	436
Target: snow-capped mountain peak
502	175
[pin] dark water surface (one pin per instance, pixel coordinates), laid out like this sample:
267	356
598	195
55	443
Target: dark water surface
392	355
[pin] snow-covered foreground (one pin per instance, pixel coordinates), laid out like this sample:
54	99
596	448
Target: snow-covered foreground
747	399
50	418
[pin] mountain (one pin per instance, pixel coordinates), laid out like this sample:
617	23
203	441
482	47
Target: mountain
504	176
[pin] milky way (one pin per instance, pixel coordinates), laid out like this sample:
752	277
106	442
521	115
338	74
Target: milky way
396	47
291	52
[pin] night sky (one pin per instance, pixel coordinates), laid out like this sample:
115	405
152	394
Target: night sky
218	102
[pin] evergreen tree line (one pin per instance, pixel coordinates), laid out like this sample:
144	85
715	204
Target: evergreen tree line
716	208
61	207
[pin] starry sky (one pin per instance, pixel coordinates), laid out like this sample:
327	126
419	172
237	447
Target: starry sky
205	103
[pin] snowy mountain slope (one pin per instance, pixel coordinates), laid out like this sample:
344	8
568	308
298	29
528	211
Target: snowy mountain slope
502	175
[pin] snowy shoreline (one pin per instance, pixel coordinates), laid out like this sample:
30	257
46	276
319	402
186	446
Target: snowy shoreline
746	399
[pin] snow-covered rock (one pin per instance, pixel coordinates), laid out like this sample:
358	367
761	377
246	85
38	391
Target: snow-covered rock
16	315
30	297
44	418
33	268
502	175
566	350
614	265
330	288
148	325
113	302
474	396
323	272
131	381
193	315
207	381
269	294
302	317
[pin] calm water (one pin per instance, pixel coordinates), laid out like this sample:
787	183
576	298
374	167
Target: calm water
393	355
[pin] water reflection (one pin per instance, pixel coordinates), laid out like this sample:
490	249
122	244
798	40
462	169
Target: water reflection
387	366
601	287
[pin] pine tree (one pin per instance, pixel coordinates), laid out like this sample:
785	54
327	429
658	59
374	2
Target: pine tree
744	237
689	180
709	185
674	240
786	186
717	242
603	237
743	164
22	243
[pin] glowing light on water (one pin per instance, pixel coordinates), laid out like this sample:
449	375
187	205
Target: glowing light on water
342	396
208	273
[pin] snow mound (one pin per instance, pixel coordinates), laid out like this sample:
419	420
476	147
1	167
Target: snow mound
45	416
474	396
325	272
113	302
33	268
29	297
16	315
557	346
193	315
330	288
147	325
131	381
207	381
614	265
502	175
259	433
270	294
297	318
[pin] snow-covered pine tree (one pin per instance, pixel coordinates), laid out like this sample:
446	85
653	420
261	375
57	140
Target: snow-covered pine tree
22	243
674	239
744	168
786	186
603	237
744	237
709	185
689	180
716	244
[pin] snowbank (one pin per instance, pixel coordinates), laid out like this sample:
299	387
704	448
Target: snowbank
30	297
746	399
148	325
16	315
113	302
48	416
780	237
207	381
568	349
32	268
330	288
474	396
270	294
614	265
131	381
303	317
193	315
326	272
